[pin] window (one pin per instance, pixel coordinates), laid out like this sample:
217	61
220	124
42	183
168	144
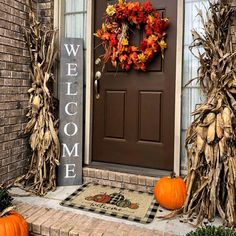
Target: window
75	13
191	95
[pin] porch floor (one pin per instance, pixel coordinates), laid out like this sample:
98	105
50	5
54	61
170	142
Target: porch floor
45	216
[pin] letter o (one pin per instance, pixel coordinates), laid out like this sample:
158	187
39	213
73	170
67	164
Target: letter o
75	129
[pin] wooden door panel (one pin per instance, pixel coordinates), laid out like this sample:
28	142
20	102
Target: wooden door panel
149	116
114	122
133	121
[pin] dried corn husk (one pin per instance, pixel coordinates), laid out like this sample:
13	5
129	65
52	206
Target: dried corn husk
200	144
211	132
36	102
226	116
202	131
209	153
209	119
210	140
222	147
219	126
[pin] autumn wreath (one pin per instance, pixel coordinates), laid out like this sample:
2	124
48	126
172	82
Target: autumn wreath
115	34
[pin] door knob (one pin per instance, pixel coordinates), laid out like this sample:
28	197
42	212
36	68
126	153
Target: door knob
98	75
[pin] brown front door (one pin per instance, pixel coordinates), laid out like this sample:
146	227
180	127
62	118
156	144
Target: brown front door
133	120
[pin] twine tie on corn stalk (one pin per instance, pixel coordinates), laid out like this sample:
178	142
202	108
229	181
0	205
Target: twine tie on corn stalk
42	125
211	138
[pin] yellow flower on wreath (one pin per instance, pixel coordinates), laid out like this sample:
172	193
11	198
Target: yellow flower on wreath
110	10
151	19
141	57
162	44
125	42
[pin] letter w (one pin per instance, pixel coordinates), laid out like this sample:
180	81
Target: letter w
70	49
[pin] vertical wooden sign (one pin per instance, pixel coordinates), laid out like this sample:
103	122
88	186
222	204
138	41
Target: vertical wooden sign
71	111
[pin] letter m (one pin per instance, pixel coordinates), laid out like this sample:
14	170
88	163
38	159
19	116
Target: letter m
66	152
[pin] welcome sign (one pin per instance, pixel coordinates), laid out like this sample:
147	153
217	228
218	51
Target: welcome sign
71	111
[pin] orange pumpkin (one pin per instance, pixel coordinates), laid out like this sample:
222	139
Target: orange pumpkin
102	198
13	224
170	192
133	206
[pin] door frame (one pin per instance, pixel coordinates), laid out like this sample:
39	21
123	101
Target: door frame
90	78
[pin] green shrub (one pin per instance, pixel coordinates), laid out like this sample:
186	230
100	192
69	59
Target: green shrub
212	231
5	199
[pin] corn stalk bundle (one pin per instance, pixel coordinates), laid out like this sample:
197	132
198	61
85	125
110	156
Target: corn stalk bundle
211	137
42	125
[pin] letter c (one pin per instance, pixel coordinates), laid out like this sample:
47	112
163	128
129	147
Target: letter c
67	109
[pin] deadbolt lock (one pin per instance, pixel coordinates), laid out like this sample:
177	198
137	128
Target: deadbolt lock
98	61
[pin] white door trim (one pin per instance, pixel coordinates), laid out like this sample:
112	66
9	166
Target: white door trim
89	85
178	85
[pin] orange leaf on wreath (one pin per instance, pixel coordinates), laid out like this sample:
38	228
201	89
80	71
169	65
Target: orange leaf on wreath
98	33
140	66
149	53
151	39
133	56
105	36
133	49
123	57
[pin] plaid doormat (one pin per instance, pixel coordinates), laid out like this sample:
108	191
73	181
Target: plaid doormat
118	202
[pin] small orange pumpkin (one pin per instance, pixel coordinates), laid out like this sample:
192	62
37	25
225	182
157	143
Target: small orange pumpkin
134	206
170	192
13	224
102	198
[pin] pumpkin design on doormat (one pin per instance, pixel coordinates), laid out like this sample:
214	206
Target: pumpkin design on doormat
117	199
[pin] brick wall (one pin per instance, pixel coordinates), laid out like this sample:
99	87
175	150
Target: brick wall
14	84
45	11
